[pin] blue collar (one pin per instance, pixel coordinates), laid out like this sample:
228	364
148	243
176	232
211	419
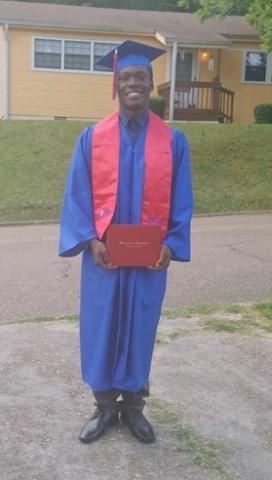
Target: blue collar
142	118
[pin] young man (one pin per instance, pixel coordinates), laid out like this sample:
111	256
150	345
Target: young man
130	168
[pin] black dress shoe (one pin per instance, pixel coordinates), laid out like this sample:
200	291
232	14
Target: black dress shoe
97	425
138	424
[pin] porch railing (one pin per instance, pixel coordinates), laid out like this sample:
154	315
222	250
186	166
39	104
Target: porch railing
199	101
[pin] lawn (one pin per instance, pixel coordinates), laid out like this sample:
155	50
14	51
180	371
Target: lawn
232	167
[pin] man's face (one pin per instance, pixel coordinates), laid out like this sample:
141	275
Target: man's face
134	85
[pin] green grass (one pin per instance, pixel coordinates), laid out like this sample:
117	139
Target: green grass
232	167
232	318
34	159
244	325
188	312
249	318
166	336
200	309
69	318
243	319
255	318
204	452
231	164
265	309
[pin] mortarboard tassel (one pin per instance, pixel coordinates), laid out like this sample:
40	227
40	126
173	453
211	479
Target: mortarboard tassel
114	69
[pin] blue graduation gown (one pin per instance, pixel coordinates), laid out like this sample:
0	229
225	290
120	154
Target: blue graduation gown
120	308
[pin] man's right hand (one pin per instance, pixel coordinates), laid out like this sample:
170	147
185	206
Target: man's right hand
100	253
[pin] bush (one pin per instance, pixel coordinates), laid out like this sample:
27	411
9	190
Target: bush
157	105
263	113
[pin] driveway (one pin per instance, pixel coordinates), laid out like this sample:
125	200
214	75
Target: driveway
231	262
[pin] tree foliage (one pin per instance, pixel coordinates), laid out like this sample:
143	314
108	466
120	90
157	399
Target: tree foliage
260	16
258	13
189	5
208	8
162	5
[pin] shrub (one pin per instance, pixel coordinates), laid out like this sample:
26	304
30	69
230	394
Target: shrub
157	105
263	113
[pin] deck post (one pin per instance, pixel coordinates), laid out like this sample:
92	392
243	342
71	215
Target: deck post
6	73
216	102
173	82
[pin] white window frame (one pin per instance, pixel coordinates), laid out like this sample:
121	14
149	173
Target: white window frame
33	54
268	76
65	70
63	55
101	41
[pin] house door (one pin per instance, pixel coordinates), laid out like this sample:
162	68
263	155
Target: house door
186	71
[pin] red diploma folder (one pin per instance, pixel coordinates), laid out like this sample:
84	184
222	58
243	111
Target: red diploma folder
133	245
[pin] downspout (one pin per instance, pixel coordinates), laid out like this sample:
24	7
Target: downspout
6	71
173	82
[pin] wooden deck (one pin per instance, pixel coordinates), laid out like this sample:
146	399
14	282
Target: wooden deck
199	101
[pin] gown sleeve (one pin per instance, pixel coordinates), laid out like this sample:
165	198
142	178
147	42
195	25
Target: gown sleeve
181	209
77	221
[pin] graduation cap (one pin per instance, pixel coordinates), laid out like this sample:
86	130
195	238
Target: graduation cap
127	54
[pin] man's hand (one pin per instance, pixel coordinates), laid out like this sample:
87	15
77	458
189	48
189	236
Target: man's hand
100	254
164	260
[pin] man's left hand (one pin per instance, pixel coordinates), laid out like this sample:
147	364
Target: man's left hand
164	260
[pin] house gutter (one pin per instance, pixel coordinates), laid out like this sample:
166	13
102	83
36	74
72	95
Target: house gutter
191	43
6	72
75	27
173	81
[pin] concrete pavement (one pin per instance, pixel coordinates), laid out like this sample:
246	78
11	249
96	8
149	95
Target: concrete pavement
216	385
231	262
213	388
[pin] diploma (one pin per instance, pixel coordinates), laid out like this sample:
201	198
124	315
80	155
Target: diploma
133	245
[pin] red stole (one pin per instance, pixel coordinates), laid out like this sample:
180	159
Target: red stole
158	172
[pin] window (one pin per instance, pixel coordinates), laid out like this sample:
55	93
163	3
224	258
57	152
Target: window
184	68
101	49
257	67
47	53
77	55
69	55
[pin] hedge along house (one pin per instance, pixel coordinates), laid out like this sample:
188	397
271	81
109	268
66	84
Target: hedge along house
211	71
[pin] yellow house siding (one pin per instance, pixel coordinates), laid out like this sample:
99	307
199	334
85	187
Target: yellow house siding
204	75
250	96
1	72
50	94
247	95
228	66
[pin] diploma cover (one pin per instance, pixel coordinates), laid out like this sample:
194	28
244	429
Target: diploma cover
133	245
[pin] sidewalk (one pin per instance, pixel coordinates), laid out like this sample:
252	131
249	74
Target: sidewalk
215	386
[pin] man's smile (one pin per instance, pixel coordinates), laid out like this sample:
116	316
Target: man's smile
134	94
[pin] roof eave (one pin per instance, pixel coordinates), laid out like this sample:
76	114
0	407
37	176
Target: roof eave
60	26
246	38
169	41
200	43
